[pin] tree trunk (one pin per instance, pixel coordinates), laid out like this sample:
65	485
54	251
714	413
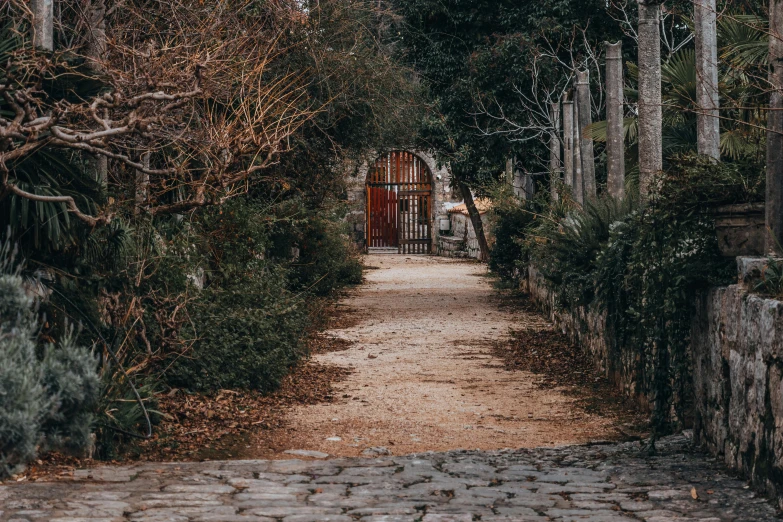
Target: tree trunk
585	143
579	180
509	174
142	184
707	119
615	140
43	24
475	219
96	52
650	110
555	165
568	144
96	34
774	200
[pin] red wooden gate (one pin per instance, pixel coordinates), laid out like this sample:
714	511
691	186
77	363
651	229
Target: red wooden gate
383	217
399	210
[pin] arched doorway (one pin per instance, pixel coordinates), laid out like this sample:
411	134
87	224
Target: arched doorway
399	204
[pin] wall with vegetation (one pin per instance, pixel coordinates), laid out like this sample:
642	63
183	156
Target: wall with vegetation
587	326
737	347
736	384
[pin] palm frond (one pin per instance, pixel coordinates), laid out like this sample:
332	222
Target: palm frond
743	40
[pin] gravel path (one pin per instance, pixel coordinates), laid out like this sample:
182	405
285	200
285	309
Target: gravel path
424	377
600	483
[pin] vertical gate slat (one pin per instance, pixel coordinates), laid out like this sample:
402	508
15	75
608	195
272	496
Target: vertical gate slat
409	210
415	186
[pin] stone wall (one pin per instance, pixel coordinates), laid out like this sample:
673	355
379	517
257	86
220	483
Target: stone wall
737	344
462	241
737	374
587	327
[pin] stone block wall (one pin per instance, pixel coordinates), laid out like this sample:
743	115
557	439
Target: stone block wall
737	372
737	344
588	327
462	242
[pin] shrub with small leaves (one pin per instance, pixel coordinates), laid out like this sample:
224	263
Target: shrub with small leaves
45	402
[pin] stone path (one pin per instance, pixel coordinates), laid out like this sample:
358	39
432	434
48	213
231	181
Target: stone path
606	483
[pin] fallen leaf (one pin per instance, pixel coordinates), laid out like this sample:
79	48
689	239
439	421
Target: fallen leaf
694	494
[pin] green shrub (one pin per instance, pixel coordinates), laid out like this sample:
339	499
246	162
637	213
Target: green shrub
568	250
247	334
327	259
771	282
511	252
49	401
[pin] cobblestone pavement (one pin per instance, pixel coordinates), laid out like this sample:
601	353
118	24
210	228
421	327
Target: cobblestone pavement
606	482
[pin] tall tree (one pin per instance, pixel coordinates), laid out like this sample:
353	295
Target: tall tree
774	198
706	38
650	100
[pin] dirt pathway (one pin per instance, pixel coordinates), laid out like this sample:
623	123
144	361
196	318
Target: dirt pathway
424	377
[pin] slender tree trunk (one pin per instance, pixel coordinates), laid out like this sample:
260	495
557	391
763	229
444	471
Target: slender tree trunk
555	164
43	24
585	143
96	52
142	184
650	109
615	140
708	122
509	174
96	33
529	185
774	200
475	219
568	144
579	179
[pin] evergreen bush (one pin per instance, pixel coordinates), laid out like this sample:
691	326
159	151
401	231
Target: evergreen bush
46	401
247	334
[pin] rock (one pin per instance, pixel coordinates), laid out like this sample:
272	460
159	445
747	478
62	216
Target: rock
307	453
333	439
376	451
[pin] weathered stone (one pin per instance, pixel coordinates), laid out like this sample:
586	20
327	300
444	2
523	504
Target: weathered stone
293	510
318	518
447	518
390	518
307	453
667	480
587	154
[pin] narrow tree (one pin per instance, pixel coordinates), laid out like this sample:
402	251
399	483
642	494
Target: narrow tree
475	220
43	24
585	142
706	36
555	164
568	143
774	205
579	179
650	107
615	145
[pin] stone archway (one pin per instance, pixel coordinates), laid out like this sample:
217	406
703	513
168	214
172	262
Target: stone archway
399	199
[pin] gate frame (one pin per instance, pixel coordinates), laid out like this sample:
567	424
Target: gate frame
431	210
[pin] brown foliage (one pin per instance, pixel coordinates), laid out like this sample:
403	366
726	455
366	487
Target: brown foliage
192	105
